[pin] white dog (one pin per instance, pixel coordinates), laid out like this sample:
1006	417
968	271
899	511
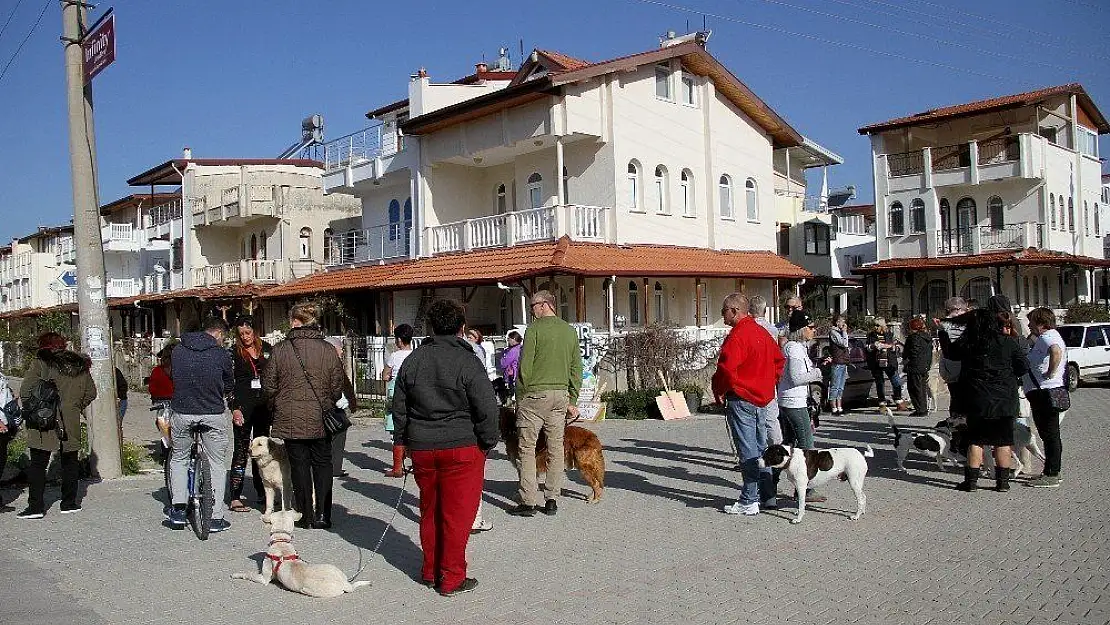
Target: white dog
283	563
809	468
936	444
273	463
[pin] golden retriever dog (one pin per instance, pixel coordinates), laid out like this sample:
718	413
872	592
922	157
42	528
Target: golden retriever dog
283	563
581	450
273	463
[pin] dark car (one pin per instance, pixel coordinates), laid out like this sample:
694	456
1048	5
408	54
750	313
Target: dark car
857	387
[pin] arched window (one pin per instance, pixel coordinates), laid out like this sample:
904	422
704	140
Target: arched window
634	185
978	288
897	222
406	225
1052	210
686	183
997	216
1086	220
262	246
535	190
1098	230
1071	215
945	215
306	243
394	220
633	304
751	199
725	188
566	186
500	200
1063	220
254	247
662	205
931	299
331	249
660	303
917	215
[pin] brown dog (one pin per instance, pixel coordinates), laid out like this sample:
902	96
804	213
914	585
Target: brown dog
581	450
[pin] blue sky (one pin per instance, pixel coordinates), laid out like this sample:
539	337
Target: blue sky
234	79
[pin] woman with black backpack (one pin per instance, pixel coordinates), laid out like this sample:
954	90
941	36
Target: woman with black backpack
68	372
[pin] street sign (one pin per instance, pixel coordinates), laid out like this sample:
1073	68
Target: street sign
98	46
68	278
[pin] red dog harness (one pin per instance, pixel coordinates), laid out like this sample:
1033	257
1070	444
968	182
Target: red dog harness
279	560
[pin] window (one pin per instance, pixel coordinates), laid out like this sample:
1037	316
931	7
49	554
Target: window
978	288
686	183
306	243
994	208
394	220
752	201
1098	231
566	186
331	250
1088	141
704	305
1052	210
501	200
897	225
817	239
932	296
662	204
1094	338
660	303
725	188
1071	215
1063	222
663	82
634	185
784	240
688	89
535	191
945	215
406	225
262	246
1048	133
633	304
1086	220
917	215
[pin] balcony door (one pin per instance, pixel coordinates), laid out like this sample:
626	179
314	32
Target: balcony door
966	220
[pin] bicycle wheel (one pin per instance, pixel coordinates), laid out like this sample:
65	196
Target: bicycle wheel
202	496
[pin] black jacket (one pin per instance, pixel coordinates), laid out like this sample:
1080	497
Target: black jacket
917	356
874	355
444	399
202	376
245	396
989	376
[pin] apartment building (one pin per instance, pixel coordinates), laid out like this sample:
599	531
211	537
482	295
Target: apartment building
38	271
995	196
638	189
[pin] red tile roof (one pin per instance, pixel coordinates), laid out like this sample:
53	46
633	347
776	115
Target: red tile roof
561	257
993	104
564	61
226	291
1030	256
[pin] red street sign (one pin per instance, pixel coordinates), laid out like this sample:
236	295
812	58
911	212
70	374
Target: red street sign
99	46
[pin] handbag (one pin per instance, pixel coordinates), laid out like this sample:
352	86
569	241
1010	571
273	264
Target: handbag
1059	398
335	419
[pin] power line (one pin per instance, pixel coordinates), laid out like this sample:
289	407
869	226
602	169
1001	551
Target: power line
45	6
908	33
10	16
831	42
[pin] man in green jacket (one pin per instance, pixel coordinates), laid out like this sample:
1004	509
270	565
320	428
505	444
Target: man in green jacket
547	393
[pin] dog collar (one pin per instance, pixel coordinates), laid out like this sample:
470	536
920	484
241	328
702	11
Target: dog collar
274	540
279	560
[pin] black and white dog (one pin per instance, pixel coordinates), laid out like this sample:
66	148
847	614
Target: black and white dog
936	444
809	468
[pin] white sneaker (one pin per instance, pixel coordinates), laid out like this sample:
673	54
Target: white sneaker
481	526
751	509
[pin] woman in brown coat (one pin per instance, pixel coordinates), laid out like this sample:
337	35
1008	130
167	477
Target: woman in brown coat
76	390
305	378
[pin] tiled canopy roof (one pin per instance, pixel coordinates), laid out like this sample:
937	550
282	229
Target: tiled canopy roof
1030	256
561	257
227	291
993	104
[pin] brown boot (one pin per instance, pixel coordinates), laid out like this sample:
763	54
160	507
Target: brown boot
398	469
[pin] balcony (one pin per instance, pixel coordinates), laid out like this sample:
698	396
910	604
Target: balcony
241	203
121	238
122	287
272	271
986	239
359	148
581	223
1014	156
67	296
162	224
369	244
66	252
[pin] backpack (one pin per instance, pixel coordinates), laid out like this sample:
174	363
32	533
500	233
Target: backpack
40	409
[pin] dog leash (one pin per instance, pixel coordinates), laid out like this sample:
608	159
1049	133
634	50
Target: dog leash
388	526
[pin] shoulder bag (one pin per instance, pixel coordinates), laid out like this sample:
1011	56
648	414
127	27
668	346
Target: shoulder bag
335	419
1059	398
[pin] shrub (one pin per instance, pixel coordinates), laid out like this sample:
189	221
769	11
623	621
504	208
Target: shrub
634	404
1086	313
17	452
132	457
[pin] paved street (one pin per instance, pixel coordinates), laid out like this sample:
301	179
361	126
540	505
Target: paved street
656	550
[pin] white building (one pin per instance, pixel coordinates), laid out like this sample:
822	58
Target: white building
37	271
995	196
639	189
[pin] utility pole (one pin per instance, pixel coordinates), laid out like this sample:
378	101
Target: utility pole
96	333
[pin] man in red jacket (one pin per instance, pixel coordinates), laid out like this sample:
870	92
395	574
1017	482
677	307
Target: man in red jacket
748	368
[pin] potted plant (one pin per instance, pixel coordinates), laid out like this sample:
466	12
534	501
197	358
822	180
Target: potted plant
693	394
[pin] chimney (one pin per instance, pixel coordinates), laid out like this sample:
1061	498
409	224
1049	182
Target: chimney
481	68
422	73
187	153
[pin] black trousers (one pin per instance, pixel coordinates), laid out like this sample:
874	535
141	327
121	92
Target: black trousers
309	468
256	422
1047	420
36	478
919	390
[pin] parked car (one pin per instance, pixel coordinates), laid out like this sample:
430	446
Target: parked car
1088	351
857	388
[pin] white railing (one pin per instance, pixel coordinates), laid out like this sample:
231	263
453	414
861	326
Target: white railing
155	283
122	287
269	271
489	231
67	296
200	205
272	271
815	204
536	224
163	213
118	233
66	252
582	223
359	147
589	223
447	238
368	244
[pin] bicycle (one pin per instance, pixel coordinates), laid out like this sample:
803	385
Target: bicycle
199	483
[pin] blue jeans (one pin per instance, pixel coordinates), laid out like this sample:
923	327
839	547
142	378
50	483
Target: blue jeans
750	435
836	386
122	409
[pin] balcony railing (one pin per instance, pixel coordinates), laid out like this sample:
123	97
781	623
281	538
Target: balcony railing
122	287
1006	237
67	296
368	244
163	214
272	271
905	163
66	252
1001	150
973	155
360	147
951	157
981	239
121	233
